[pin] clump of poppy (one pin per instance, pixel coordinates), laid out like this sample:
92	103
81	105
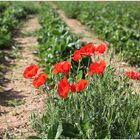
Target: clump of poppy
101	49
62	67
40	80
80	86
63	88
97	68
133	75
30	71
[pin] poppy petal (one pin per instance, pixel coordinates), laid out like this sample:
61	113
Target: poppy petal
63	88
101	49
30	71
97	68
133	75
62	67
40	80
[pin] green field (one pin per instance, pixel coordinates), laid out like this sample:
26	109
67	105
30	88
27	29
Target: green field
116	22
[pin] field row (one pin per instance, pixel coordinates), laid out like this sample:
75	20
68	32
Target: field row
10	16
116	22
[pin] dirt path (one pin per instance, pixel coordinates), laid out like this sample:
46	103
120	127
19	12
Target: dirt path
15	120
90	37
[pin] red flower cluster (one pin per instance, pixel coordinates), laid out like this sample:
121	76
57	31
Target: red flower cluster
64	87
133	75
31	71
89	50
62	67
97	68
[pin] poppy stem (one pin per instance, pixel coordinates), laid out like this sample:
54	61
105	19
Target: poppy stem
79	64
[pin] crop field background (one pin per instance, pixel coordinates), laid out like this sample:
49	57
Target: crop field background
70	70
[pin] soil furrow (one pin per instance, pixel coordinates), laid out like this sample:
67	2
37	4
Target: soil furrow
15	120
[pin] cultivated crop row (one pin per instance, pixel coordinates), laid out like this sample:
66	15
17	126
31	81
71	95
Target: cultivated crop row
11	13
9	19
116	22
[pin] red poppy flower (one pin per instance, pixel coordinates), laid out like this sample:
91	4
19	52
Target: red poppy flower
101	49
97	67
63	88
40	80
30	71
87	50
77	56
133	75
62	67
80	86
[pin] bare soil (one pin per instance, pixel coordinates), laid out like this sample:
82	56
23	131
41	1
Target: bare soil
16	120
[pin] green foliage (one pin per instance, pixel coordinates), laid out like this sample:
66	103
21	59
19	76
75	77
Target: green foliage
72	10
106	109
56	41
5	38
10	15
9	21
116	22
3	6
28	6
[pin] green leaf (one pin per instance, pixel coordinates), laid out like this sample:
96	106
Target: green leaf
80	75
59	131
55	131
85	125
69	130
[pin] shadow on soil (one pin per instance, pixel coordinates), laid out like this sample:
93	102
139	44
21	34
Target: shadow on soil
5	66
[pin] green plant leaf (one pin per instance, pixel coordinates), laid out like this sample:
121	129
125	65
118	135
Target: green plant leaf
59	131
69	130
80	75
55	131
